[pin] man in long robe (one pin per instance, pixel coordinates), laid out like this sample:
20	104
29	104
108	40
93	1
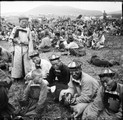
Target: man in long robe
22	46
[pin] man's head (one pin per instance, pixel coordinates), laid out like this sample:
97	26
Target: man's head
23	22
55	61
107	79
75	69
35	58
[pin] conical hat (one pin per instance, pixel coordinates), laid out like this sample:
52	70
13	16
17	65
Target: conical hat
107	72
74	65
54	57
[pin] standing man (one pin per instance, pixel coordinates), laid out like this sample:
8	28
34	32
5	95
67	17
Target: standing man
22	46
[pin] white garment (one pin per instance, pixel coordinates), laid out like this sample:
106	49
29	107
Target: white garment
20	50
72	45
45	66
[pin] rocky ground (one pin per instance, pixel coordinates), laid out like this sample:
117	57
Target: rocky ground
112	51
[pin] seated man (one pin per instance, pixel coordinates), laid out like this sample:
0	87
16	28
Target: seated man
5	59
35	94
71	43
45	44
98	39
97	61
56	39
59	74
44	64
6	109
82	88
109	99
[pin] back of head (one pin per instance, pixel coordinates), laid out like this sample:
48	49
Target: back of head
37	73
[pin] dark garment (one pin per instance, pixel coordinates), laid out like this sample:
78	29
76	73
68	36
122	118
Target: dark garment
45	49
59	87
63	75
5	79
95	60
112	102
6	109
77	52
5	60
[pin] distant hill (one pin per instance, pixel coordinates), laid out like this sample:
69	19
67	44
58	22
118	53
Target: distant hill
116	12
52	10
61	10
56	10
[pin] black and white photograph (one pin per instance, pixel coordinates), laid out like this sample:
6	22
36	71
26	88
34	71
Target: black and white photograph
61	60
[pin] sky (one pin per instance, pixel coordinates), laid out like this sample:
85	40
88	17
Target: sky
23	6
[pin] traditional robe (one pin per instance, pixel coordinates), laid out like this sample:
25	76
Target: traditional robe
35	98
99	109
86	90
22	46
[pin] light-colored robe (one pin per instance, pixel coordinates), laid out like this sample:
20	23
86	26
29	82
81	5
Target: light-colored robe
21	52
96	109
86	91
45	66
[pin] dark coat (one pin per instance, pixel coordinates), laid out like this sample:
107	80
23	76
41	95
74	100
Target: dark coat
6	109
63	75
95	60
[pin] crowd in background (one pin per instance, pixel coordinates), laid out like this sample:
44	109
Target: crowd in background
65	33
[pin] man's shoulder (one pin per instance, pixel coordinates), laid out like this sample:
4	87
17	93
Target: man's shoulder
64	66
88	77
45	61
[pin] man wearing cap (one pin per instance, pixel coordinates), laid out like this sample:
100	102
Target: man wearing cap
108	103
59	74
45	65
82	89
22	46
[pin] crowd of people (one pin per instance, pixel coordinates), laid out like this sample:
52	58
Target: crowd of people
87	97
